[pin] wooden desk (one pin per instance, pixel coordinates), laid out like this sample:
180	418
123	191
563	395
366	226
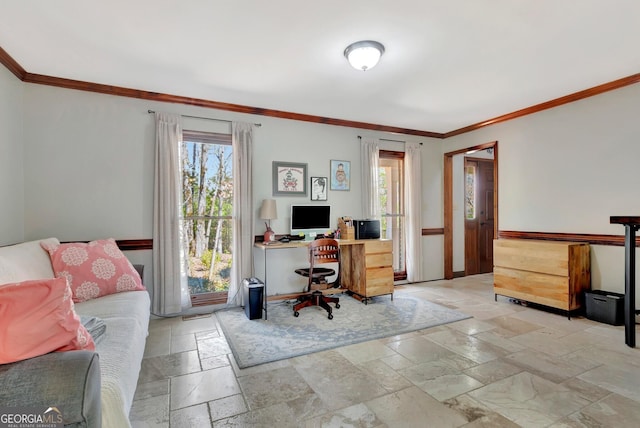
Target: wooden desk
366	267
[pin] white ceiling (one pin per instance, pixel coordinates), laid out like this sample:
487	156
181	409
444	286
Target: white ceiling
448	63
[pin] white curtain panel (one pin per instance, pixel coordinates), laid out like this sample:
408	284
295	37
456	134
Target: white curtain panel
370	159
413	211
242	250
170	288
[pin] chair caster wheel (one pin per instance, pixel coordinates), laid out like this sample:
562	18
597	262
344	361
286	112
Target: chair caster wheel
337	305
330	316
296	314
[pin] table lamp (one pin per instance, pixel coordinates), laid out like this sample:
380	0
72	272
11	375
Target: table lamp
268	211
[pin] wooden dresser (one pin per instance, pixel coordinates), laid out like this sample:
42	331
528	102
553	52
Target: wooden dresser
549	273
374	277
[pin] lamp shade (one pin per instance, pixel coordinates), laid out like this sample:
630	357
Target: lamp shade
364	55
268	210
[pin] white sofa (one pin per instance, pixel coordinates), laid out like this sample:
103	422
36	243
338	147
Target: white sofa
121	348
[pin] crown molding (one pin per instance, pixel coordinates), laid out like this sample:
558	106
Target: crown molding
11	64
576	96
22	74
238	108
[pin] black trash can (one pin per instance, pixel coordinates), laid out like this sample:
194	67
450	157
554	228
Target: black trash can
253	291
604	306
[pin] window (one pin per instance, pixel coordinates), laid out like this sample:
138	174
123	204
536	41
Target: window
470	192
391	188
207	198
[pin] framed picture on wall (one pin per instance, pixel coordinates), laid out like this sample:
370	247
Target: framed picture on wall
289	179
319	187
340	175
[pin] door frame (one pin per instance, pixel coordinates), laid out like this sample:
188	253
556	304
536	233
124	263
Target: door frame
448	200
478	225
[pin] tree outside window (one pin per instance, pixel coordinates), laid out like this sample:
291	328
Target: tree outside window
207	190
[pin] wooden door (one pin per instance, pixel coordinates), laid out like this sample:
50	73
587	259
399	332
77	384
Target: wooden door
479	216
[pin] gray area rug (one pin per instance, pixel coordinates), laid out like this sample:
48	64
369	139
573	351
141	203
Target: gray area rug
284	336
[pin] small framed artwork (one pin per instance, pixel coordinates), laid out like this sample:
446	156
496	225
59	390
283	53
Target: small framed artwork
340	175
319	188
289	179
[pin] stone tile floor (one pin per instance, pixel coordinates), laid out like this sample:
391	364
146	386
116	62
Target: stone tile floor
508	366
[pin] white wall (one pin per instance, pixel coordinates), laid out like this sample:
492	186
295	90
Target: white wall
432	209
11	159
568	169
88	163
89	169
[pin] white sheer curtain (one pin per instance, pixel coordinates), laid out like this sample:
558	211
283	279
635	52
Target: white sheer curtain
242	267
370	159
413	211
170	288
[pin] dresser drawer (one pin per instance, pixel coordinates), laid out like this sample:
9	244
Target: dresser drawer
545	289
550	273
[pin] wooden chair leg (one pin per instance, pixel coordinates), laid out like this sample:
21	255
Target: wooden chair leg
303	303
323	304
330	299
316	299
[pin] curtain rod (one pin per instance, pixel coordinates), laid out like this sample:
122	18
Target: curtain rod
206	118
393	141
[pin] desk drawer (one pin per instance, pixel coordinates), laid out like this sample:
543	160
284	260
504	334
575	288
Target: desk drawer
379	260
379	281
378	246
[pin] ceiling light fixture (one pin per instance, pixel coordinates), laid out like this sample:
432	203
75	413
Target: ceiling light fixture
364	55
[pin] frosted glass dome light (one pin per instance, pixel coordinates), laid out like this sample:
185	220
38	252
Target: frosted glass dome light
364	55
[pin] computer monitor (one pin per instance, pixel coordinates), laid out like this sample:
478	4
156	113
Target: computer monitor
311	220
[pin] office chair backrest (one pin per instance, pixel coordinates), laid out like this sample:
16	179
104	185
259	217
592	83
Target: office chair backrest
321	251
324	251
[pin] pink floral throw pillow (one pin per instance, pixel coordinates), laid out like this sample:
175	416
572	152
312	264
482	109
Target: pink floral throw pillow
38	317
93	270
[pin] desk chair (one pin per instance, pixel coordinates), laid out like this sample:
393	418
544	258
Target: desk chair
321	251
